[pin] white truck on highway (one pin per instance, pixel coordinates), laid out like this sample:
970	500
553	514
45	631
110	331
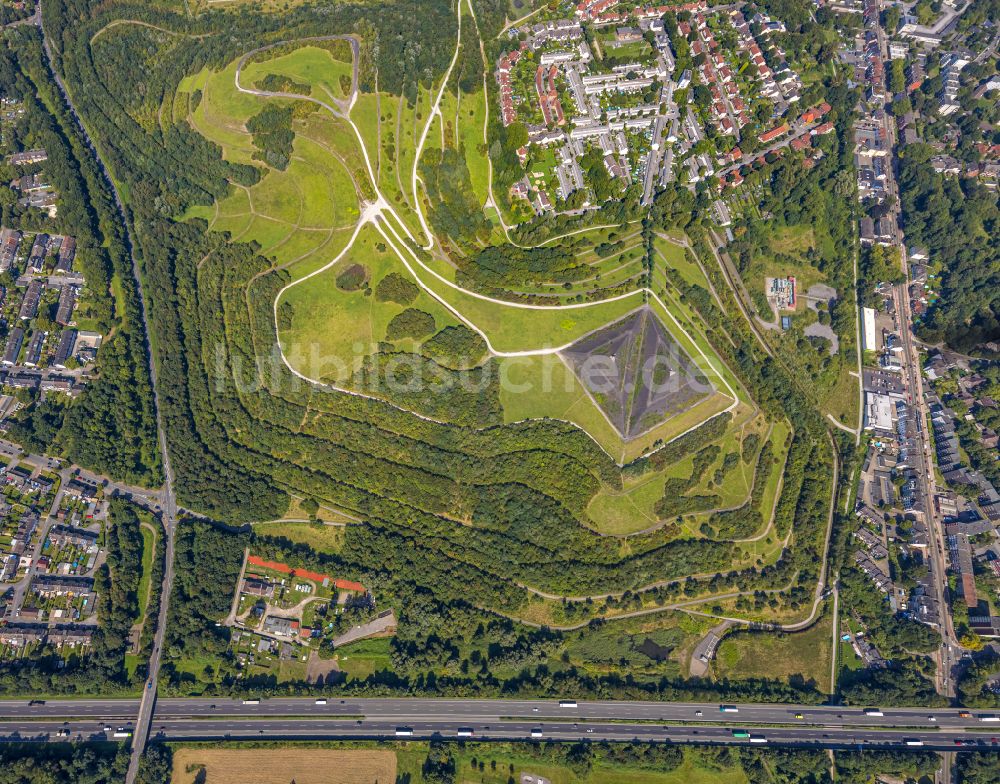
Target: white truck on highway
873	712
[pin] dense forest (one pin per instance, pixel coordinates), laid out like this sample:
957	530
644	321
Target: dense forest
958	220
111	428
63	764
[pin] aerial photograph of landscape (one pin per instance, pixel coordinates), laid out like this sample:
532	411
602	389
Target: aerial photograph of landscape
499	392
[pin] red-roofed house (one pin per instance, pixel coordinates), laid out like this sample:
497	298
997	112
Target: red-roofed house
774	133
802	142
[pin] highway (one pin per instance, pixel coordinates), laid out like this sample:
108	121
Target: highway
679	722
221	709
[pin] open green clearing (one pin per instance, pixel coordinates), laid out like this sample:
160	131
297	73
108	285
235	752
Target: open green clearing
320	537
676	257
364	658
331	331
782	655
149	540
309	65
632	508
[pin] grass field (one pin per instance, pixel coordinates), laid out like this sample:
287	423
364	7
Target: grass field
282	765
364	658
843	400
309	65
676	257
333	330
149	539
632	508
782	656
792	242
367	763
320	537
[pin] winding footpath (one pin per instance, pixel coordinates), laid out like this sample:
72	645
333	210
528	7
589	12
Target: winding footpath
386	221
379	211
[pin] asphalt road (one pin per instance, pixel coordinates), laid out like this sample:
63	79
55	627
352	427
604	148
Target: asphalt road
569	728
169	501
274	714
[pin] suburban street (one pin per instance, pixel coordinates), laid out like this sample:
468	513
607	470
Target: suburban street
913	380
681	722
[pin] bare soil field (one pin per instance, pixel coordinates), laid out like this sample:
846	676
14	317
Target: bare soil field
280	766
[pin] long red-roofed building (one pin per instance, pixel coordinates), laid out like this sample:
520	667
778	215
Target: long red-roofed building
306	574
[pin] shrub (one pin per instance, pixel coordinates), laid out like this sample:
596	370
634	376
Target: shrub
352	278
410	323
396	288
456	346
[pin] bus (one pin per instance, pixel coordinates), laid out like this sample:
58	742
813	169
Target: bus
252	701
465	732
758	739
536	733
873	712
989	717
728	709
741	734
913	742
121	732
404	732
567	703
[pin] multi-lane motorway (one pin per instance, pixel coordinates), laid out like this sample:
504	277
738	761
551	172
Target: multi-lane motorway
309	718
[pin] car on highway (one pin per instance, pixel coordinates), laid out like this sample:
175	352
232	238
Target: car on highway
932	718
698	713
799	716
